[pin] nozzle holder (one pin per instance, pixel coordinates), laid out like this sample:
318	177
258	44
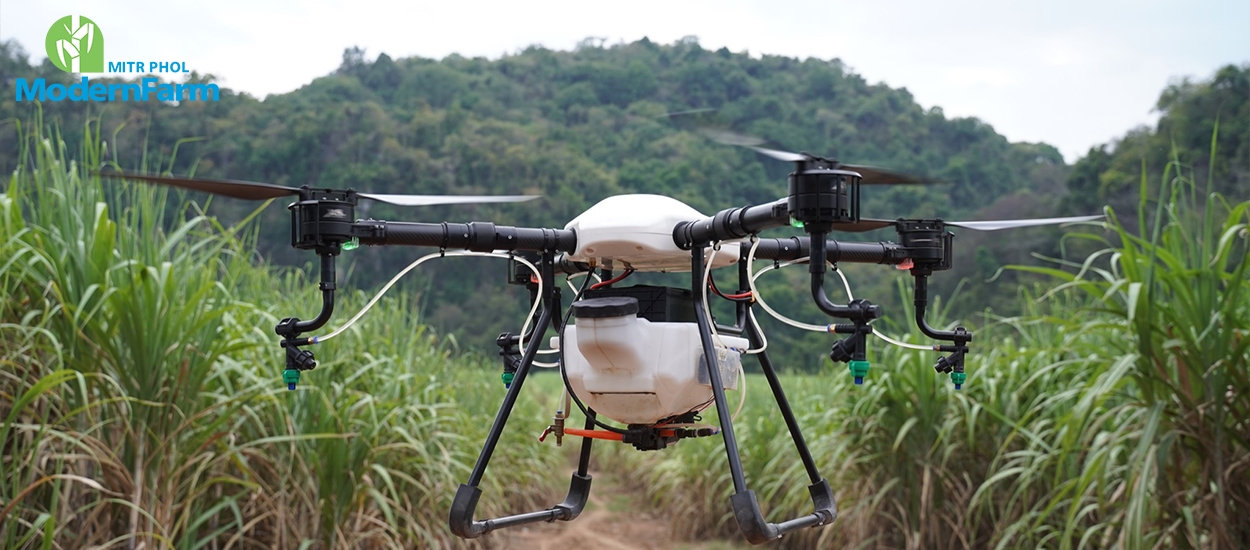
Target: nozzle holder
510	354
851	350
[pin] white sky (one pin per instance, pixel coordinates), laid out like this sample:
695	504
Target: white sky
1071	73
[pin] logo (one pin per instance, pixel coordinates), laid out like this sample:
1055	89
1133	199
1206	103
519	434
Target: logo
76	45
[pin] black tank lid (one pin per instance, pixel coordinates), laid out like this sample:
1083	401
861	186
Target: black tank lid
600	308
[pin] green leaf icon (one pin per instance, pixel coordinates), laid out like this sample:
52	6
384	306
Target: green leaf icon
75	44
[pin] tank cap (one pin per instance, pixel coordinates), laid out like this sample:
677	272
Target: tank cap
601	308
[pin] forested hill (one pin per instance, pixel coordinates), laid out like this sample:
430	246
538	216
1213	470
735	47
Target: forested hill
574	126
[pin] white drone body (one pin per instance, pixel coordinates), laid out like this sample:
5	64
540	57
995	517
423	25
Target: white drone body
636	232
625	367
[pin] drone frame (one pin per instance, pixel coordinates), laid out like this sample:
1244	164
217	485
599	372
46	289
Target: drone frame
821	198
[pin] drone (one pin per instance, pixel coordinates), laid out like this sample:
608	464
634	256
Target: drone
648	357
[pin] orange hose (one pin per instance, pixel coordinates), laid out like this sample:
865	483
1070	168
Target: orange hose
596	434
610	436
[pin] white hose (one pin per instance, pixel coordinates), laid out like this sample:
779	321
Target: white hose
569	281
760	299
889	340
707	311
763	339
815	328
742	399
421	260
707	307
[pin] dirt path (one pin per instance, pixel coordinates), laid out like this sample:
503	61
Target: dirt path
614	519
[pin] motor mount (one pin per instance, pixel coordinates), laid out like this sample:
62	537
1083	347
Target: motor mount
821	195
322	219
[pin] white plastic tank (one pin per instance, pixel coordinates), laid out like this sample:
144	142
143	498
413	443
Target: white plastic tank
635	371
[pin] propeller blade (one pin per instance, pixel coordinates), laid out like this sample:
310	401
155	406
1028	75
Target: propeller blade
247	190
1009	224
687	112
864	224
729	138
880	176
779	155
871	174
431	200
750	142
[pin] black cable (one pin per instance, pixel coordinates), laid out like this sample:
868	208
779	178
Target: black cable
564	375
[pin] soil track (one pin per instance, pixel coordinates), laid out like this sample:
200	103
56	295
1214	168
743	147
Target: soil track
614	519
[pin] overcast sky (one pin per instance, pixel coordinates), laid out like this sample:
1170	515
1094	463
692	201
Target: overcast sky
1069	73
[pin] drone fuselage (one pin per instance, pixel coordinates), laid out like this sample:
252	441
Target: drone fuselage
636	232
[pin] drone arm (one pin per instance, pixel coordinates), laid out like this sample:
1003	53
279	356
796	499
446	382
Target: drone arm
858	311
475	236
793	248
921	301
291	327
731	223
327	297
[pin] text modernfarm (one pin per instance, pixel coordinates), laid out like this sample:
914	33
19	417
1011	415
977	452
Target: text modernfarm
85	90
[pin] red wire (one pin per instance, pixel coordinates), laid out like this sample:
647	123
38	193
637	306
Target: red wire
712	283
616	279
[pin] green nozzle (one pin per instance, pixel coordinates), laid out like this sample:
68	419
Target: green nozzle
507	379
958	378
859	369
291	377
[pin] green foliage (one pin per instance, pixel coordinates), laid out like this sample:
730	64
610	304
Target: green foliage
1190	112
1180	293
141	398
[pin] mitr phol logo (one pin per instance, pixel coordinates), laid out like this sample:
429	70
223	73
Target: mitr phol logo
76	45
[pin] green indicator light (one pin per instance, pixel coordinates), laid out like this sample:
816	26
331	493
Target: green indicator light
352	244
796	223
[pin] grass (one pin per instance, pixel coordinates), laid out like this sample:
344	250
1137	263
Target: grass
142	400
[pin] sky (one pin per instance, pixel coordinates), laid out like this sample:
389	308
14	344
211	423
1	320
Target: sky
1073	74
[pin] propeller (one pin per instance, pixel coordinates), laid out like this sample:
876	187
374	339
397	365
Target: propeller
995	225
431	200
246	190
869	224
871	175
255	191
